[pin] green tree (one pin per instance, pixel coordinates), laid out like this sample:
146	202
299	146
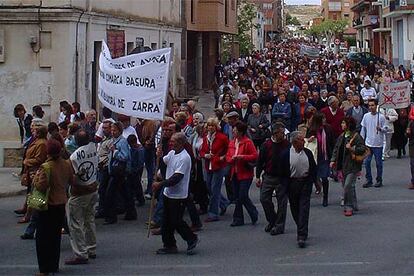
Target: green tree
245	27
328	29
292	20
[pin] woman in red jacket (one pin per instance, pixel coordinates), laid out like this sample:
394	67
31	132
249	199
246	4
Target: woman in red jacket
242	155
213	151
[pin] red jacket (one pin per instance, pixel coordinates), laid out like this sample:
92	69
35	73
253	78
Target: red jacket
218	149
247	153
334	120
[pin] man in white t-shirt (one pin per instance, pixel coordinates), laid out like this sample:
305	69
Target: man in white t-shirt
176	183
368	92
372	130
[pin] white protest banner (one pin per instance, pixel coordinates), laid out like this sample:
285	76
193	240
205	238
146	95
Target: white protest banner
395	94
135	85
309	51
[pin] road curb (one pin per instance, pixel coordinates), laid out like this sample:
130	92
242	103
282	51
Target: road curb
12	193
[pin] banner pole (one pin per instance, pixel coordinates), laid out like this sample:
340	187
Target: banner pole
152	203
157	164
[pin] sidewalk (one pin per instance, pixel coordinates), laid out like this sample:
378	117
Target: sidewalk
10	185
205	103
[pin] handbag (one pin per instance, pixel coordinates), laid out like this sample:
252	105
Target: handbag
39	200
359	158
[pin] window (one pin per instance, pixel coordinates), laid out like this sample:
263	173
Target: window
346	15
130	47
226	12
334	6
346	4
172	51
385	3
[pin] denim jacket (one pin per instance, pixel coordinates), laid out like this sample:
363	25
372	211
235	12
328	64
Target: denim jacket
121	152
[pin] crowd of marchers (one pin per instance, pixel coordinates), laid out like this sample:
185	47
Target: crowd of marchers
284	122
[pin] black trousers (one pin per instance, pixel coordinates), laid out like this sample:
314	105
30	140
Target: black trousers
199	187
270	184
118	188
48	238
299	193
173	221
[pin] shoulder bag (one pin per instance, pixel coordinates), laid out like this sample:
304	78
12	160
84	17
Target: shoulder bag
39	200
356	157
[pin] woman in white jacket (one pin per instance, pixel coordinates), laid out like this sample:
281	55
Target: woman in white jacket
390	117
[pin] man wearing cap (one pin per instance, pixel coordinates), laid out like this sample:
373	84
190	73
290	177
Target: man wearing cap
270	162
232	118
334	115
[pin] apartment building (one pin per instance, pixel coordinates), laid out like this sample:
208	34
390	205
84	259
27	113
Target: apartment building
274	17
337	9
399	17
366	19
205	23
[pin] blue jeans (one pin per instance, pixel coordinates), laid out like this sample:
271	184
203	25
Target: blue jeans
31	228
241	195
217	200
159	208
377	152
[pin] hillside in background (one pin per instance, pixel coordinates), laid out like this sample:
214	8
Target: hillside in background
304	12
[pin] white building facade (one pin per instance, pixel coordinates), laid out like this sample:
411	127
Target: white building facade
401	15
258	33
49	50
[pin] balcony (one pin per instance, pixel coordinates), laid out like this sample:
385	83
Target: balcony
365	21
361	5
399	7
403	3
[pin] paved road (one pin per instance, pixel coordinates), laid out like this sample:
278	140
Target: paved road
377	241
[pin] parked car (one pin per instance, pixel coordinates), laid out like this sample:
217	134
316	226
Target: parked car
365	58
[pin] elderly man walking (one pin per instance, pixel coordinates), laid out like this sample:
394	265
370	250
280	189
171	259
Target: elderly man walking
300	166
176	183
83	197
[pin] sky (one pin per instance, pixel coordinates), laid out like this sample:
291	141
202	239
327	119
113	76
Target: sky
302	2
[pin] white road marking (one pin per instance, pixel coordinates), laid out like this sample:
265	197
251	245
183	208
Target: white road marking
172	266
388	201
322	264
